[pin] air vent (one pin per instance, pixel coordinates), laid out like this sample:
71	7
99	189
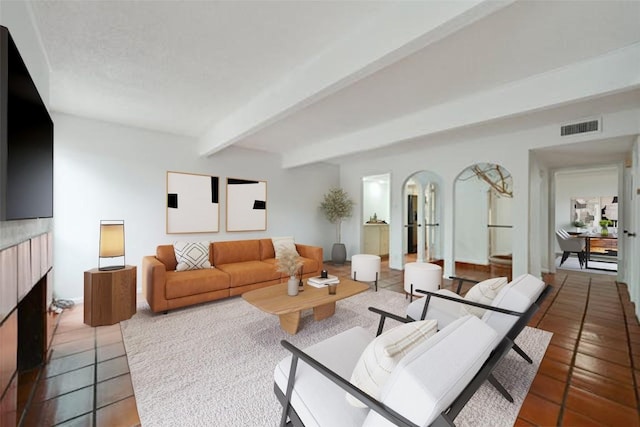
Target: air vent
584	127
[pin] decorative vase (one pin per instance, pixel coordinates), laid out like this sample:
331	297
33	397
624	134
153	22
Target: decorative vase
292	286
604	231
338	253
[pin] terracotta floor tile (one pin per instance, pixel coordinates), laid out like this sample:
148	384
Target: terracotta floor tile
73	347
110	351
559	354
613	355
548	388
73	335
600	409
539	411
603	386
553	369
60	409
113	390
123	413
60	384
564	341
70	363
604	368
112	368
572	418
81	421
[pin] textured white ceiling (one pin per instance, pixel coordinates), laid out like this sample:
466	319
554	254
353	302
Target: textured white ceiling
266	74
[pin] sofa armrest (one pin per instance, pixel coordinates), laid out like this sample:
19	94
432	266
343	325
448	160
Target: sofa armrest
311	252
153	283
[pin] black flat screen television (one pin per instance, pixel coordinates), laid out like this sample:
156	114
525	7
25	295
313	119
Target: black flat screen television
26	140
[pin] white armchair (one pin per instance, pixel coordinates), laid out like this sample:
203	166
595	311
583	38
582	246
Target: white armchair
312	384
571	244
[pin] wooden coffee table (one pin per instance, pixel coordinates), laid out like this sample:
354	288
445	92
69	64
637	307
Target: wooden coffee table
274	300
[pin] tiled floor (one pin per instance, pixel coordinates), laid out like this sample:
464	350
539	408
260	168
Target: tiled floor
590	375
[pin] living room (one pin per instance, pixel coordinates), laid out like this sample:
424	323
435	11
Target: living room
105	169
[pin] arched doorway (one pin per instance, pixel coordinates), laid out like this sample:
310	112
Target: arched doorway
483	224
422	239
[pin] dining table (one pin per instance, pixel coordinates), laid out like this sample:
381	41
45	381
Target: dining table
588	236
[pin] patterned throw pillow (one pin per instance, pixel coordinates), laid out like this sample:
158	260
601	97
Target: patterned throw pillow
483	293
192	255
281	244
382	355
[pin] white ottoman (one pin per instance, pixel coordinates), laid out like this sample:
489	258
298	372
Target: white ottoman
421	275
365	268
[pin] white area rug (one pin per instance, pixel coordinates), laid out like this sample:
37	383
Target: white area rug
212	365
596	267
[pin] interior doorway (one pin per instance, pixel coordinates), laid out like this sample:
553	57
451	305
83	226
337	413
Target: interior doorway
483	223
422	240
376	211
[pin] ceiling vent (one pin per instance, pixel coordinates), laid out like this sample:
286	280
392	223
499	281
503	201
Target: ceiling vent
582	127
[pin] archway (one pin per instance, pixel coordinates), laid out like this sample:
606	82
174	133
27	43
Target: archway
483	223
422	240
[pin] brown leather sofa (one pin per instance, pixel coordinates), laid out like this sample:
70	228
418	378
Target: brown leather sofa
240	266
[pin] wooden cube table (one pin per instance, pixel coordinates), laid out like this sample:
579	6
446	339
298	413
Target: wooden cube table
109	295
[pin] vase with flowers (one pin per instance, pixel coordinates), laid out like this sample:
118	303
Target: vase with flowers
604	223
289	262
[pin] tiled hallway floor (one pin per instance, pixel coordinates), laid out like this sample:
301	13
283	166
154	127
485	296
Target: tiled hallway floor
590	374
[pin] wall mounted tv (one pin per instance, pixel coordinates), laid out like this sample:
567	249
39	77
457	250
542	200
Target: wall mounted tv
26	140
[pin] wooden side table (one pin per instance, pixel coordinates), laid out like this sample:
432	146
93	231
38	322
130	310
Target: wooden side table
109	295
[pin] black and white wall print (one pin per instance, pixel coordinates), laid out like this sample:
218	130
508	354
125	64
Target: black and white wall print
192	203
246	205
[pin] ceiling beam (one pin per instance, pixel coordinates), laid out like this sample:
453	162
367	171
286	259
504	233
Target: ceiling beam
615	72
403	30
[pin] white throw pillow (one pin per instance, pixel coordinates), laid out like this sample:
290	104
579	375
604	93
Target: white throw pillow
483	293
381	356
191	255
281	244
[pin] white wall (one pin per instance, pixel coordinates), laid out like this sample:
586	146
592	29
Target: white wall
447	155
471	219
108	171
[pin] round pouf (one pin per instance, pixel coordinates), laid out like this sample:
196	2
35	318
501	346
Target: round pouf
422	275
365	268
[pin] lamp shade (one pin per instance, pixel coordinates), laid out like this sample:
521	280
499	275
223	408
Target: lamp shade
111	240
111	248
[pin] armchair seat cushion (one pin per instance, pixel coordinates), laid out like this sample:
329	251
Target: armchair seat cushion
316	399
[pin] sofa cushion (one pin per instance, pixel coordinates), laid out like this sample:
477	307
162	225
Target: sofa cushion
192	282
281	244
383	354
234	251
167	256
249	272
482	293
192	255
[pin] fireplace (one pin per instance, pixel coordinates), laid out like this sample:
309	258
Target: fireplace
25	325
32	327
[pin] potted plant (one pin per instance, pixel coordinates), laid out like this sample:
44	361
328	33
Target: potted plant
337	206
289	262
604	223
